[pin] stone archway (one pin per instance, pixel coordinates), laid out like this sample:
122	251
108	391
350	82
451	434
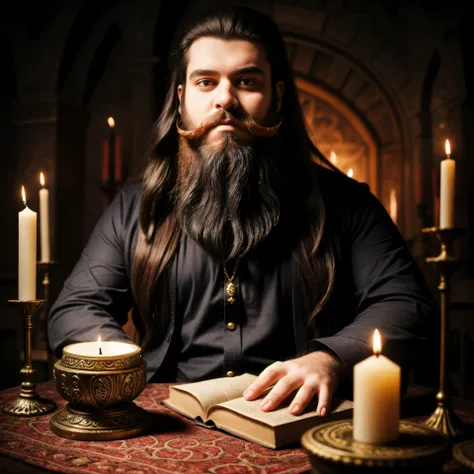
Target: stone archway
349	111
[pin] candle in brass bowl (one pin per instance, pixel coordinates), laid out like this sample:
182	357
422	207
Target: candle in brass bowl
100	380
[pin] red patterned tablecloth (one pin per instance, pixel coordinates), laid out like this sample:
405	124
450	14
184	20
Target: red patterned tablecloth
177	445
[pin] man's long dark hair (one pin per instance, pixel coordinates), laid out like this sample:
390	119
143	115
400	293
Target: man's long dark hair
160	230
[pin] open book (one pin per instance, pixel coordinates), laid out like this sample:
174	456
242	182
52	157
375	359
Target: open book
218	403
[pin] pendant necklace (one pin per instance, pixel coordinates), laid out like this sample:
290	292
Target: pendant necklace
230	286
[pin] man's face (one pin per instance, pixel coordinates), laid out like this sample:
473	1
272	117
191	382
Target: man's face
233	75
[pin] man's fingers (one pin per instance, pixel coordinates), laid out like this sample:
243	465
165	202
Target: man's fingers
325	392
279	392
266	379
303	397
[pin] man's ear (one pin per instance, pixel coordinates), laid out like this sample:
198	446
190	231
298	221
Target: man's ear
180	94
280	89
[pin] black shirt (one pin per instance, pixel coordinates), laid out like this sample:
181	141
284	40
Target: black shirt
378	285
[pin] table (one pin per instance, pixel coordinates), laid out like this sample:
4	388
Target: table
176	444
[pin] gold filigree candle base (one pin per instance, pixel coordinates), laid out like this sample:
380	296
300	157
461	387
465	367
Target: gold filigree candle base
119	422
23	406
28	402
332	449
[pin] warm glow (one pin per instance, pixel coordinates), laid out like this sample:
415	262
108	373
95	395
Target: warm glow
42	182
447	148
23	195
111	122
350	173
393	205
99	340
377	343
333	158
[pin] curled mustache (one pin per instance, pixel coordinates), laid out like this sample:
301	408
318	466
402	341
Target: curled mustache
224	117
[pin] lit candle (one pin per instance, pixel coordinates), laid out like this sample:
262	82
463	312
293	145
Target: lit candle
376	413
350	173
112	157
447	182
44	221
393	205
333	158
106	349
26	252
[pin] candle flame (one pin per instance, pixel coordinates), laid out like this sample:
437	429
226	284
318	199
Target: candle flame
23	195
99	343
333	157
447	148
377	343
111	122
350	173
42	181
99	340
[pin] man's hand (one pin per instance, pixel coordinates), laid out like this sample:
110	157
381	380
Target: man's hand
314	373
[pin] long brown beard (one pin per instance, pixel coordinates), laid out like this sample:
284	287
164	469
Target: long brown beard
227	197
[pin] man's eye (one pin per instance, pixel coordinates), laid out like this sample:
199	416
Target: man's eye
246	82
204	83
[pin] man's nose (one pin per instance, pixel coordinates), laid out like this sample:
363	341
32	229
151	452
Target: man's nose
226	98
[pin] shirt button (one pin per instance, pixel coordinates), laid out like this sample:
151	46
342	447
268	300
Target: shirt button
230	326
230	373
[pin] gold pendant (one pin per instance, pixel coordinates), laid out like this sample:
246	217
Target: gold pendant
231	291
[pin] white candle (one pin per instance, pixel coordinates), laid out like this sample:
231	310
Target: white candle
393	205
101	349
376	413
26	252
447	187
44	221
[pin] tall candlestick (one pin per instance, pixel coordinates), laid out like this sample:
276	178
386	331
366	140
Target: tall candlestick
447	187
26	252
376	414
44	222
111	171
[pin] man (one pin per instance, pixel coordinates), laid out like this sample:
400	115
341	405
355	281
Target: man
242	249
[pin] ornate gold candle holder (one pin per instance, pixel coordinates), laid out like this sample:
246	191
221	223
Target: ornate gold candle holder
28	402
100	386
444	418
333	450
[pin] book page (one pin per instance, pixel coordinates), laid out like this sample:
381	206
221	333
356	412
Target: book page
281	415
214	391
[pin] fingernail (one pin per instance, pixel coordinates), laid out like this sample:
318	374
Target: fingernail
248	393
266	405
294	408
323	411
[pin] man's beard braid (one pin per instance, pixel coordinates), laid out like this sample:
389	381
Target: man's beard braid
227	198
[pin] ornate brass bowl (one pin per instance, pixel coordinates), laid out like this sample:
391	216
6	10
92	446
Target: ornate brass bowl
100	390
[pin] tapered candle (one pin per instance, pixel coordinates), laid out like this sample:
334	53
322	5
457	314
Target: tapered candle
26	252
376	413
44	221
447	188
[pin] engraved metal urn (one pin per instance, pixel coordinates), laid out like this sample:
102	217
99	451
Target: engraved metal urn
100	382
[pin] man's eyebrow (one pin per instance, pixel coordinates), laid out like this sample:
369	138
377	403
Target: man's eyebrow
241	70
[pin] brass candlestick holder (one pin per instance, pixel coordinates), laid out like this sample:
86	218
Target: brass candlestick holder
100	390
332	450
28	402
444	418
42	339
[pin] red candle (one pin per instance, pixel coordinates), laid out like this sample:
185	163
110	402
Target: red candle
118	158
105	160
